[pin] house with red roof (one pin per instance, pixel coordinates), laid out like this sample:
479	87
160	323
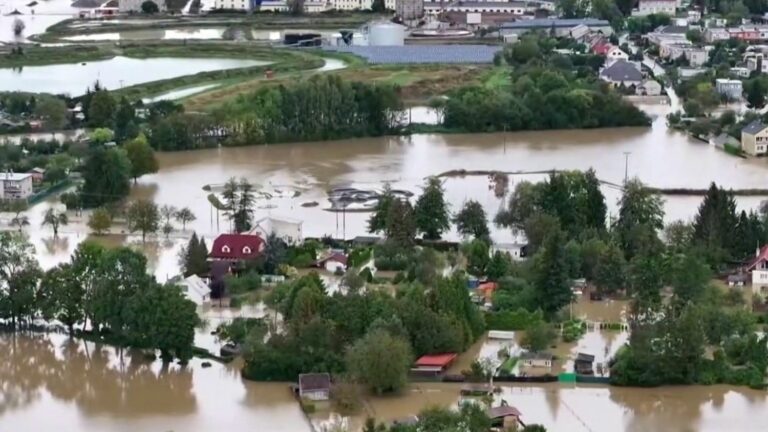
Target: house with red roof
236	247
758	266
333	262
433	363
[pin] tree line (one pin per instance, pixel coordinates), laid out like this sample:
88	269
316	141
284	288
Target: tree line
101	292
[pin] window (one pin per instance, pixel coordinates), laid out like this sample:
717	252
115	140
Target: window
246	250
225	249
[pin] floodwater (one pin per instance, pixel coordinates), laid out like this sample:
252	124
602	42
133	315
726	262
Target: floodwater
36	19
113	73
180	93
185	33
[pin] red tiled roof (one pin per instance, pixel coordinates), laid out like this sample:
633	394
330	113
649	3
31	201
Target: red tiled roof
439	360
237	247
602	48
336	256
761	256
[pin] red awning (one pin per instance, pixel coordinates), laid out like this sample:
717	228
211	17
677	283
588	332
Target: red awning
439	360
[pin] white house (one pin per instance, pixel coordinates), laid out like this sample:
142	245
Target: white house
648	88
759	268
333	262
614	54
15	185
517	251
730	88
647	7
245	5
196	290
288	230
536	359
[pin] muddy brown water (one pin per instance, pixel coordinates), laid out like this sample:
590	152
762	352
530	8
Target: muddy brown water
48	383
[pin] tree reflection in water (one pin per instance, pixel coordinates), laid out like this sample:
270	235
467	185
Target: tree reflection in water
97	378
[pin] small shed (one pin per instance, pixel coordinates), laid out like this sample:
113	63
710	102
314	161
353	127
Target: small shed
583	364
333	262
505	416
537	359
315	386
196	290
434	363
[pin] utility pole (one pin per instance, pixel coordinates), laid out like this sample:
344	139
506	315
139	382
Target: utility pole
626	166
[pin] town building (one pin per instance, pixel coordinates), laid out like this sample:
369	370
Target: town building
756	62
562	27
730	88
434	363
288	230
196	290
615	53
714	34
315	386
409	10
740	72
759	267
622	73
38	174
649	88
334	262
134	6
754	140
488	7
648	7
236	247
241	5
15	186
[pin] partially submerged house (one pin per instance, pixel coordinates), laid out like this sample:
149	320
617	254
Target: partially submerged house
333	262
315	386
583	365
506	417
288	230
537	359
758	266
236	247
196	289
433	363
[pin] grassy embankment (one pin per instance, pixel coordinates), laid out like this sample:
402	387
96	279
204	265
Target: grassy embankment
266	20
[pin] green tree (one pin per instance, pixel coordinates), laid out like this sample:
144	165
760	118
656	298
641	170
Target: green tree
107	177
477	255
378	6
55	219
755	90
125	121
594	202
149	7
380	361
142	215
646	281
63	296
471	220
538	336
401	224
100	221
101	110
689	277
194	257
141	156
641	212
610	272
715	224
184	216
53	111
378	220
431	211
551	274
499	266
101	136
19	276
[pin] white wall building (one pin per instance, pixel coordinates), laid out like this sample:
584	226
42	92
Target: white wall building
15	185
730	88
233	4
288	230
196	290
647	7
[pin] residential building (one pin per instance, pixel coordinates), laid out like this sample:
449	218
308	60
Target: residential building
649	88
562	27
495	7
434	363
315	386
622	72
350	4
15	185
288	230
730	88
245	5
333	262
196	290
759	268
696	56
38	174
129	6
754	139
236	247
756	62
508	417
536	359
714	34
614	54
518	251
740	72
409	10
647	7
583	364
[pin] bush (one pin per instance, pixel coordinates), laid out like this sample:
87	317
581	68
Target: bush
573	330
302	260
399	277
235	302
519	319
367	275
359	257
242	284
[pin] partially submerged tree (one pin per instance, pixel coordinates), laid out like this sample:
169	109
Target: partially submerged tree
55	219
431	211
142	215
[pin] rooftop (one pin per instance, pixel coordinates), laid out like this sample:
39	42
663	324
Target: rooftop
503	411
11	176
440	360
314	381
236	246
421	54
583	357
549	22
536	356
622	70
753	128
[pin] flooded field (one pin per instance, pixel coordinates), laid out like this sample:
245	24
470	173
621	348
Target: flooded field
114	73
35	18
186	33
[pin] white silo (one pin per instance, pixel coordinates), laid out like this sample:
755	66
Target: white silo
386	33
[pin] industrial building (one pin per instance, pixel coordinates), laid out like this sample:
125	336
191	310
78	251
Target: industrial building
562	27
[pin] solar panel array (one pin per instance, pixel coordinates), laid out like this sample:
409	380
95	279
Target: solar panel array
413	54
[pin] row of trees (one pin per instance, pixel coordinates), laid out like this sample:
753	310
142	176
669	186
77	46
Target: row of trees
107	292
321	108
